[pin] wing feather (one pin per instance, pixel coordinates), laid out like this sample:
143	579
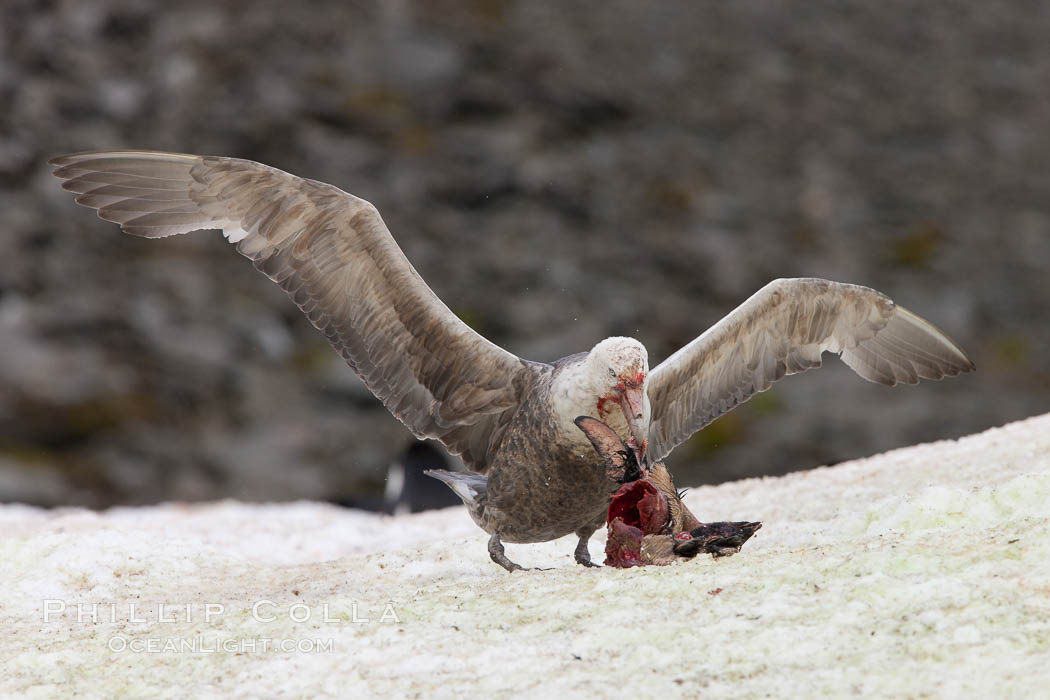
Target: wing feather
333	255
784	329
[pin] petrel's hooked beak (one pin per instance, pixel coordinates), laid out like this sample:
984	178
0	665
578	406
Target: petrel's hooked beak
632	402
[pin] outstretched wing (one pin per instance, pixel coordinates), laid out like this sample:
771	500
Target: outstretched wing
783	329
333	255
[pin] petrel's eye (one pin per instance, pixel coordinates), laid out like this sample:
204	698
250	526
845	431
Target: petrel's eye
612	373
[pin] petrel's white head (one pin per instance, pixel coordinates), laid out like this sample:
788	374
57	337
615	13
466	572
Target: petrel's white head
618	374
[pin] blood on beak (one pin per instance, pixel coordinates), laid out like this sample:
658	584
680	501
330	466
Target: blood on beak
632	403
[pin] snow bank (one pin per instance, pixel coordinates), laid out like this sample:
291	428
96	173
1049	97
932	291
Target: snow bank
924	571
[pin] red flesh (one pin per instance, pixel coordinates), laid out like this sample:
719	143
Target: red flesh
623	549
637	509
641	505
604	406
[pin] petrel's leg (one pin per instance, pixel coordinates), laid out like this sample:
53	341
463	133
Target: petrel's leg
498	555
582	554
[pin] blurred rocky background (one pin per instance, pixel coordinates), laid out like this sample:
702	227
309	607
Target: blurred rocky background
557	171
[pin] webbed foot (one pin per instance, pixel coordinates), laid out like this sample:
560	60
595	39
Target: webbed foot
717	539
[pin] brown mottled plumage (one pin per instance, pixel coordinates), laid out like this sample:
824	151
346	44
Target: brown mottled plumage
509	418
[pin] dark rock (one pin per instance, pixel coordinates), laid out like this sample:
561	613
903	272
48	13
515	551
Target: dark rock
558	173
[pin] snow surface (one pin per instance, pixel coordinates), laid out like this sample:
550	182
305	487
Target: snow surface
921	572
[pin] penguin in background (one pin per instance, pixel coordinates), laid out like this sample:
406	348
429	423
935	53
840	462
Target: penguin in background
409	490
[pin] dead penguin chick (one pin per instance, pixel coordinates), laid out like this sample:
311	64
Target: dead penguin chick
647	521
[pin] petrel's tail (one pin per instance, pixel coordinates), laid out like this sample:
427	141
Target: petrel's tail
469	487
